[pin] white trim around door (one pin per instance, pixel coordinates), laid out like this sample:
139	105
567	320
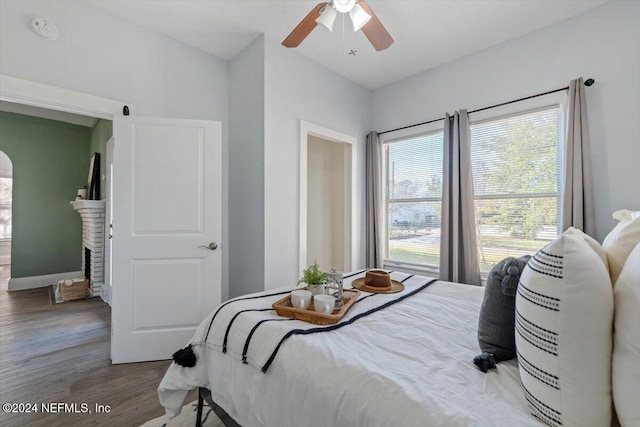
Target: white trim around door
13	89
307	129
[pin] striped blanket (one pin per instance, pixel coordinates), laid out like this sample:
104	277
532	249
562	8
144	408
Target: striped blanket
247	328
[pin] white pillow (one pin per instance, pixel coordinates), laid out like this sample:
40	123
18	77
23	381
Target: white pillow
564	313
626	342
592	242
620	242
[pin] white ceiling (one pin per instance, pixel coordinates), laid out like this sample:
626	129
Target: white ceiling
44	113
427	33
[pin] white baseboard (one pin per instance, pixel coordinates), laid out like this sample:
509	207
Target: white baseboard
32	282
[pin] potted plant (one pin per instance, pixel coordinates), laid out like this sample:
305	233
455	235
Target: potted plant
314	278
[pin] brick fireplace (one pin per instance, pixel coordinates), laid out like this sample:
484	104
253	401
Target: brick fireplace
92	213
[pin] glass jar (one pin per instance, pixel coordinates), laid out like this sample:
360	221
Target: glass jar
334	286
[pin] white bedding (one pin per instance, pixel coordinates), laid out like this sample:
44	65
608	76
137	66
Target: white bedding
407	365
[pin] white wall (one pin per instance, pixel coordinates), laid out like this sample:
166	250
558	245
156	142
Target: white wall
103	55
602	44
100	54
297	88
246	170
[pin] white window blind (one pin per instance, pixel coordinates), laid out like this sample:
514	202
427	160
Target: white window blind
413	199
516	178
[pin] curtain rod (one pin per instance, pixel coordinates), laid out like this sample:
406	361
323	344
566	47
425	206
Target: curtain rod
587	82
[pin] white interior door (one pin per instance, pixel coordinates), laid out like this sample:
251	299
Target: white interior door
106	287
166	224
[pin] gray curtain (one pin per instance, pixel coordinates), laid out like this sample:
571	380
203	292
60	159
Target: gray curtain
458	239
373	203
578	206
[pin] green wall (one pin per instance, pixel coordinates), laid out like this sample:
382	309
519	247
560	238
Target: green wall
50	162
100	134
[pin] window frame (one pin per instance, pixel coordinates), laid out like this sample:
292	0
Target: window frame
556	99
533	104
392	138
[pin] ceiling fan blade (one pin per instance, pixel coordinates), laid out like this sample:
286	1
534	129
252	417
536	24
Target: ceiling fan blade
375	31
305	27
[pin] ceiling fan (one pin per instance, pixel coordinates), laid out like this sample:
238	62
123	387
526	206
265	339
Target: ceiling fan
362	17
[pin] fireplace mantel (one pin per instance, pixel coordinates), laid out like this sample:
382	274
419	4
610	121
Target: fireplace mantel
89	204
92	213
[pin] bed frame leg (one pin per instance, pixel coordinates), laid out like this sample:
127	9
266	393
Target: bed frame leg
200	403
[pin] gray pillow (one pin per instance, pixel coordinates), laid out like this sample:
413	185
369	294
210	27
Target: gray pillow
496	326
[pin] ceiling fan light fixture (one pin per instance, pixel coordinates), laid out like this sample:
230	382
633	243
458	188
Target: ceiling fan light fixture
343	6
325	13
359	17
327	17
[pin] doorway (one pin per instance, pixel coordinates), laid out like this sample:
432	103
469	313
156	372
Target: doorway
328	210
50	153
82	123
327	204
49	102
171	160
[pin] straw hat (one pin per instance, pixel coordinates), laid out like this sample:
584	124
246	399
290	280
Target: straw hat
377	281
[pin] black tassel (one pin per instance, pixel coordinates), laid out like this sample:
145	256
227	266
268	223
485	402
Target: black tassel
185	357
484	362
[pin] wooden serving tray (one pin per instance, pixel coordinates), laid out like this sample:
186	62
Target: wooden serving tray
284	308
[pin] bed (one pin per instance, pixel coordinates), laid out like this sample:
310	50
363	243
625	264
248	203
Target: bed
407	364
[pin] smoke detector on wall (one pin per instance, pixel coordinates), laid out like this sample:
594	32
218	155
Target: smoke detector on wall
45	28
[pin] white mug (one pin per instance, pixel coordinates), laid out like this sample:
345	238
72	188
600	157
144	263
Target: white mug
301	298
324	303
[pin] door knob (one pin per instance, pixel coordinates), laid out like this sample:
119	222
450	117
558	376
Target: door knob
212	246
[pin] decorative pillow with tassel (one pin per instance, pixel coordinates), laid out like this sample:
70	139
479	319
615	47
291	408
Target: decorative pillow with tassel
496	325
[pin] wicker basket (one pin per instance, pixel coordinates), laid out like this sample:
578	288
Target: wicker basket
76	290
284	308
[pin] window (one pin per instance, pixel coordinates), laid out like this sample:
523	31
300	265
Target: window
413	194
5	207
6	188
516	164
516	161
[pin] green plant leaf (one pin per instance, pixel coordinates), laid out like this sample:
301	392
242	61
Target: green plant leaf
312	276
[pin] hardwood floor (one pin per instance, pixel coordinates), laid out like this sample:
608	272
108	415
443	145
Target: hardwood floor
60	353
